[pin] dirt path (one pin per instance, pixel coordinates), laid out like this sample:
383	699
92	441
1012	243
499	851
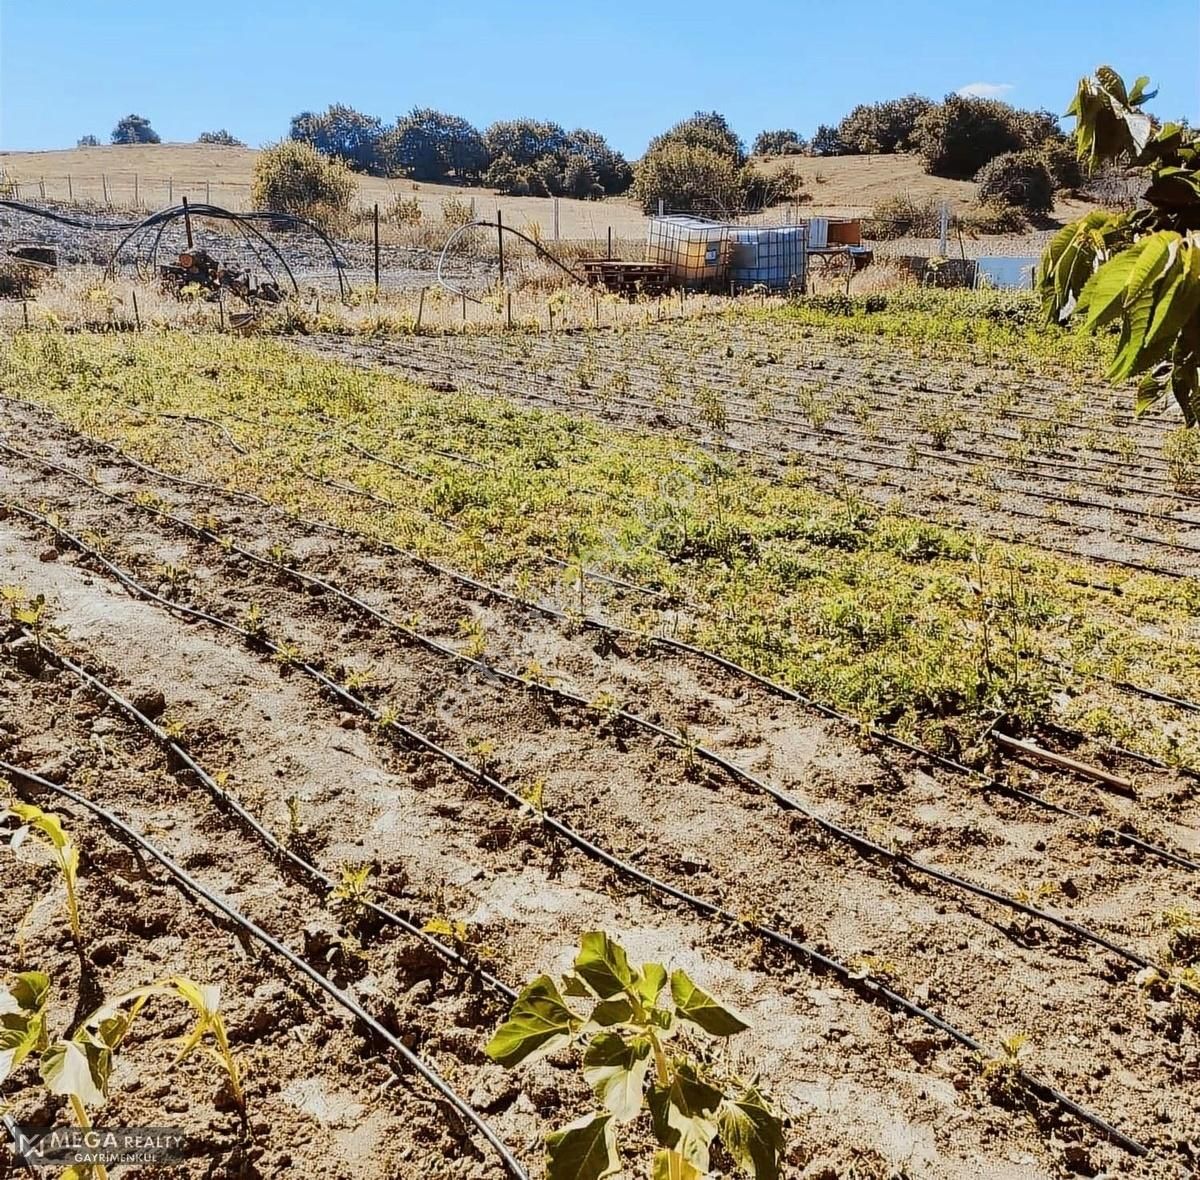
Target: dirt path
1092	1030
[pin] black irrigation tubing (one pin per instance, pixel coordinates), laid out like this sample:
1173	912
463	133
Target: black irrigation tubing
502	365
592	623
775	460
856	840
321	982
871	987
63	219
278	849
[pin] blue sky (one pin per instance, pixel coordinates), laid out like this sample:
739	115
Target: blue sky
628	68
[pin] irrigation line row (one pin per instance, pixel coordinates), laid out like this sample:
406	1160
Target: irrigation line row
217	902
861	843
796	424
867	986
855	725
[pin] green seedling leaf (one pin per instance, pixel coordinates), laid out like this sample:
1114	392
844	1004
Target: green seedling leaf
683	1115
610	1012
78	1068
538	1023
616	1070
48	829
603	965
583	1150
752	1133
696	1005
649	983
670	1165
22	1019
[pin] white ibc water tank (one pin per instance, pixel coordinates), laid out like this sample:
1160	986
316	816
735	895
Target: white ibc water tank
818	233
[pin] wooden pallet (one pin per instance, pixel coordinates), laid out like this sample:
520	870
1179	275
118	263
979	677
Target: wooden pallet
626	278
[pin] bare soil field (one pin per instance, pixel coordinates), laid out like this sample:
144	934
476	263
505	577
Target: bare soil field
302	617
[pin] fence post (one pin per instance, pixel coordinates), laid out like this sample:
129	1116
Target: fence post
609	254
104	186
170	190
500	239
943	228
70	191
420	309
208	192
137	192
137	315
660	206
556	219
42	187
510	309
187	228
377	251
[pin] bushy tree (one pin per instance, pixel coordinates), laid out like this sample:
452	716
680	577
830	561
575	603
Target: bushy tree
1138	268
613	173
135	129
88	141
506	176
706	129
293	177
826	142
221	138
958	136
356	139
883	127
525	141
688	178
1019	179
785	142
429	145
580	179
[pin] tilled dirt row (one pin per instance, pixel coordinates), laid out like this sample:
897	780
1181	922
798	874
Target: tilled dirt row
1047	484
641	799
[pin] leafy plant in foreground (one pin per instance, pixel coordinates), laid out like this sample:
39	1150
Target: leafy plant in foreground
1139	267
616	1014
47	829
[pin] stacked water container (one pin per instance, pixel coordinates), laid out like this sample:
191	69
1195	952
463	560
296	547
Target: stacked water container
768	256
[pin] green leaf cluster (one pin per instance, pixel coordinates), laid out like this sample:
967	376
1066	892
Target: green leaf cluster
1139	269
620	1017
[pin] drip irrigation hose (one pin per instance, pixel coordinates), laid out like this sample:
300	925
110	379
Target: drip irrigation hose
866	986
858	841
217	902
590	622
280	850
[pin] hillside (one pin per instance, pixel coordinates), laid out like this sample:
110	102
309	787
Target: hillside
159	173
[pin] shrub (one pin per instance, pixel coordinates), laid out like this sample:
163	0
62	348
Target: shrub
902	217
1062	163
990	217
221	138
134	129
293	177
760	190
883	127
957	137
87	141
429	145
1020	179
613	173
525	141
688	179
778	143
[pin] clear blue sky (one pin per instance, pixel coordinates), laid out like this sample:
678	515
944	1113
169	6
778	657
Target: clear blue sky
628	68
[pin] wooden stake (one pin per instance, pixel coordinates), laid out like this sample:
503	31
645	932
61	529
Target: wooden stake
208	192
464	302
137	315
170	190
25	310
376	251
187	223
510	309
137	194
500	239
609	255
221	305
42	187
70	190
104	186
420	308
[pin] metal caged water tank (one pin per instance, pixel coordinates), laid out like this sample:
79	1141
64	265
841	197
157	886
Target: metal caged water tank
697	250
768	256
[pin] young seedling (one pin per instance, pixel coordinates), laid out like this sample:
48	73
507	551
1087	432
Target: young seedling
352	893
636	1060
22	1019
47	830
1002	1074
